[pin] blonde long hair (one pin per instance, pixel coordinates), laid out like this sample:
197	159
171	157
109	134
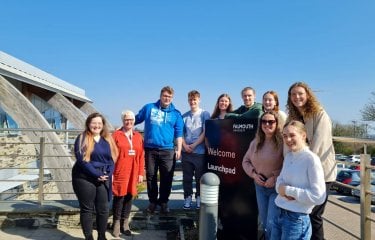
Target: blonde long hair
87	138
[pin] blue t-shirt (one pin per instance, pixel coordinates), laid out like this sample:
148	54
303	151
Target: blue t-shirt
193	128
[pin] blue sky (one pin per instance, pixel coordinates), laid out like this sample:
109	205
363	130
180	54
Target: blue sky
123	52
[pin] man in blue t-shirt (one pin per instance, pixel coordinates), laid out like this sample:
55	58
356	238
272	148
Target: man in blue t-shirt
163	125
193	151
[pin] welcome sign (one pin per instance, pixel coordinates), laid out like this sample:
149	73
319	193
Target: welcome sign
227	142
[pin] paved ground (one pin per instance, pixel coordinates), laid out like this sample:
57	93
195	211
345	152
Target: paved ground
345	223
71	234
339	224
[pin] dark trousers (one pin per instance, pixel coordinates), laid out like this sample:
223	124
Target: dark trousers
121	207
93	199
192	165
162	160
317	219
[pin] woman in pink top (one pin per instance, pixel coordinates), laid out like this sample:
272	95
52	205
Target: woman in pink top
262	162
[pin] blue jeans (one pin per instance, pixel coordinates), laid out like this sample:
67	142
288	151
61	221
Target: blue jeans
268	211
291	226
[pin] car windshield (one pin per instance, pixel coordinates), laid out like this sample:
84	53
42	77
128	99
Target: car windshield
356	176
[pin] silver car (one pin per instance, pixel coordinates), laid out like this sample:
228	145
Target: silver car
357	192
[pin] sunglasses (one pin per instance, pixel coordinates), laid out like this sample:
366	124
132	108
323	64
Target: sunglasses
268	122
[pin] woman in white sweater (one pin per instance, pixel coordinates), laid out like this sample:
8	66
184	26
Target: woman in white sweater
300	186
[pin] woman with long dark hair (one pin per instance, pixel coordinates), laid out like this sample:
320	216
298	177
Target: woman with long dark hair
95	153
262	162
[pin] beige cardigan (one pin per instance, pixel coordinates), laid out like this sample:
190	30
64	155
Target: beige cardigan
319	135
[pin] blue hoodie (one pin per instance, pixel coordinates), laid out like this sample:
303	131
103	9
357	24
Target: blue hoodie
162	125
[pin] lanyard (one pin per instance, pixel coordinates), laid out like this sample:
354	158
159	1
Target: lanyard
130	139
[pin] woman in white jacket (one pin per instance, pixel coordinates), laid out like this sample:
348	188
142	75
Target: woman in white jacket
300	186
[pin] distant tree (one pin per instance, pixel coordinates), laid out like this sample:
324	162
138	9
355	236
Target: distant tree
368	111
341	130
349	130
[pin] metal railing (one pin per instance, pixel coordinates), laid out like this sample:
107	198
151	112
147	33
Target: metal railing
17	162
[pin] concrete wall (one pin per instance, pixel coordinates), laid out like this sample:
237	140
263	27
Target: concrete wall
27	116
68	110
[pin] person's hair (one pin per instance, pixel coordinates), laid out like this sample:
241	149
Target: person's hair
127	113
87	143
311	107
260	137
247	88
276	97
300	126
216	112
167	89
194	93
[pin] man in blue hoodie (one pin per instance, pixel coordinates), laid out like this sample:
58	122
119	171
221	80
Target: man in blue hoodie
163	125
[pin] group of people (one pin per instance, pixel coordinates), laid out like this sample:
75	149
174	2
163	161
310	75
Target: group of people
293	166
291	160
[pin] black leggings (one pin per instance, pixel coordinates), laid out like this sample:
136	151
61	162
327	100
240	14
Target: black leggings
93	199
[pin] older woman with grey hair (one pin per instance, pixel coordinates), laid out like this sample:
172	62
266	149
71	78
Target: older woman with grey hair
129	171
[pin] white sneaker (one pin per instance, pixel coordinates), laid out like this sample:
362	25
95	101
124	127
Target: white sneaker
187	202
198	202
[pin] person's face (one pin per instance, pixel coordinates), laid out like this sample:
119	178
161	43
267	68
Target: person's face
224	103
269	102
127	122
96	126
194	102
294	139
248	98
268	122
166	99
298	96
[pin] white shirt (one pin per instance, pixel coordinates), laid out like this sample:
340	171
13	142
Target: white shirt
303	176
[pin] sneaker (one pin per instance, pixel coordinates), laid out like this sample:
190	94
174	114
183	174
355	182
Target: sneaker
187	203
198	202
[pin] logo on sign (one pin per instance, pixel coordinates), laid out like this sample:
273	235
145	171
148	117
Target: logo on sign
242	127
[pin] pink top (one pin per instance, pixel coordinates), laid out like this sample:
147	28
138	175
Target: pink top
268	160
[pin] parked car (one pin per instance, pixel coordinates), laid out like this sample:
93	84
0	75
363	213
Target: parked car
353	158
357	192
346	176
341	166
340	157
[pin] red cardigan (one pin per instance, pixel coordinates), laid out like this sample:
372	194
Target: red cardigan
128	168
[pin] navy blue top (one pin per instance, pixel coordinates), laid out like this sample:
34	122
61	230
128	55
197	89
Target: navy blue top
101	162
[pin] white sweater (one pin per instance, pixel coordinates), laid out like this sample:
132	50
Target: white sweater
303	176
